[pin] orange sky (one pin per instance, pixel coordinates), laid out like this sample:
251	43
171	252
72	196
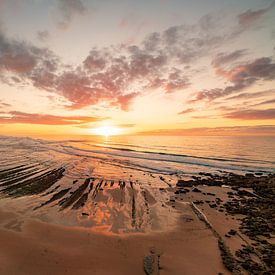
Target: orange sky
158	67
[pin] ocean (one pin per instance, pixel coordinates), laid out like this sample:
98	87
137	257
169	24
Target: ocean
154	154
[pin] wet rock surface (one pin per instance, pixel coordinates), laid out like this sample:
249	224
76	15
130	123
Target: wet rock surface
252	198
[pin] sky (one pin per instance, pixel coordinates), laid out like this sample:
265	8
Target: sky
163	67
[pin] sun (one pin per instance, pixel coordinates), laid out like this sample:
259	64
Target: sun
106	131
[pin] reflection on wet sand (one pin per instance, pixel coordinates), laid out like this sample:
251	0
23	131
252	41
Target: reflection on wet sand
125	205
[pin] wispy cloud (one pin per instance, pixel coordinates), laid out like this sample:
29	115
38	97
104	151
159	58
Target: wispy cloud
4	104
20	117
253	95
250	16
43	36
266	102
251	114
222	59
186	111
216	131
241	77
68	10
123	125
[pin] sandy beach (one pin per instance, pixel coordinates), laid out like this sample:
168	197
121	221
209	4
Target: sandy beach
125	221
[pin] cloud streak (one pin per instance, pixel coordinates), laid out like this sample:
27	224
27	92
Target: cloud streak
4	104
186	111
28	118
266	102
248	17
258	130
252	114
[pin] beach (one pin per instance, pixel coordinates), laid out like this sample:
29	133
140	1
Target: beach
114	219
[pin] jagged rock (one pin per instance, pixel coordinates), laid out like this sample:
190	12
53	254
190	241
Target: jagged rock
183	183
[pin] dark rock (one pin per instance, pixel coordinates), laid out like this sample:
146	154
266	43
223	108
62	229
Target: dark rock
227	258
183	183
198	202
196	190
232	232
245	193
258	173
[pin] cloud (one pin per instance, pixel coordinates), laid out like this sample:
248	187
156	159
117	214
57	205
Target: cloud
252	95
69	9
251	114
258	130
117	75
75	86
19	63
43	35
124	125
266	102
261	68
85	85
125	100
241	77
96	60
176	81
28	118
22	62
186	111
248	17
4	105
205	117
222	59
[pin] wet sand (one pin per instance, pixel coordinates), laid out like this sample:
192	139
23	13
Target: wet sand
42	248
124	221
